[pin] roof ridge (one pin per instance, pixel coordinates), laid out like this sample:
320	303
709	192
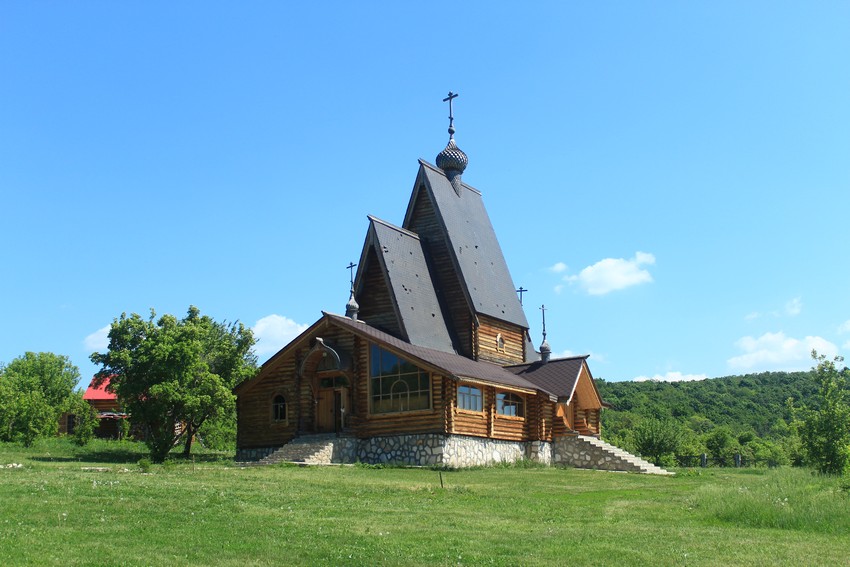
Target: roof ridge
392	226
436	169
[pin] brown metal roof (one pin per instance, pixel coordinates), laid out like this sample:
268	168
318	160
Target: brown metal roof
558	376
454	365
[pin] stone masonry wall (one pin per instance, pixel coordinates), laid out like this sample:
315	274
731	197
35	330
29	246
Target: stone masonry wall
571	451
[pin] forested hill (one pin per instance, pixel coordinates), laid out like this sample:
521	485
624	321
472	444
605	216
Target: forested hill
753	402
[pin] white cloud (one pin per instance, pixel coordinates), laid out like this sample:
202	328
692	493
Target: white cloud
273	332
558	288
794	307
844	327
99	340
558	268
672	377
598	358
752	316
775	351
612	274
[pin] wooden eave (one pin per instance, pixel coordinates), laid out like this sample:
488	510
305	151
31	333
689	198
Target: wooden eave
272	362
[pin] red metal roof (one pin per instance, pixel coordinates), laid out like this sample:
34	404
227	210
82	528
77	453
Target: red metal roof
95	392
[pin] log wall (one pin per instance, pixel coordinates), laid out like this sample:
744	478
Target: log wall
485	341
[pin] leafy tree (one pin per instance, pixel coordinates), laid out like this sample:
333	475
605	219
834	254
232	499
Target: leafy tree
655	438
85	418
721	444
824	428
173	376
35	390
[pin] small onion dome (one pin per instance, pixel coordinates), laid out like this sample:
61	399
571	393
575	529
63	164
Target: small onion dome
545	351
352	307
452	158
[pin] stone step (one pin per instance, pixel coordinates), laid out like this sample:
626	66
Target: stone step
635	463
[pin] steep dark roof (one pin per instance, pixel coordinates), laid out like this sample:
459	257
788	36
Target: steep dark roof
558	376
473	244
454	365
410	286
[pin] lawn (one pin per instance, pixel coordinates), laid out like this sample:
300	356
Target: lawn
95	506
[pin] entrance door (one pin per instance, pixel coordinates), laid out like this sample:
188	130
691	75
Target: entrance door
326	411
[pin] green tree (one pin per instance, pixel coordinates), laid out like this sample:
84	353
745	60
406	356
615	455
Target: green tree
172	376
85	418
656	438
34	391
722	445
824	427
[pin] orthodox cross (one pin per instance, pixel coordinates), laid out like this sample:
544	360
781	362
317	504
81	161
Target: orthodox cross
449	99
520	291
350	268
543	309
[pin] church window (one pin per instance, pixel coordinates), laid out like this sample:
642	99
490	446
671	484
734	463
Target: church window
279	408
510	404
500	343
469	398
396	384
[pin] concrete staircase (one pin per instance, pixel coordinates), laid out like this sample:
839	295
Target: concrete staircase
308	449
622	460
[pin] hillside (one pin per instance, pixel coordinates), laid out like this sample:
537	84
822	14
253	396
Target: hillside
752	402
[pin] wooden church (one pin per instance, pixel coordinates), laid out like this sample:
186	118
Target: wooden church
432	362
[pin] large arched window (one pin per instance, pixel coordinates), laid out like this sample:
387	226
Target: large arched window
396	384
510	404
279	408
469	398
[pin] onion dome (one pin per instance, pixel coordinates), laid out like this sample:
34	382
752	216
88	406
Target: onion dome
452	158
545	351
352	307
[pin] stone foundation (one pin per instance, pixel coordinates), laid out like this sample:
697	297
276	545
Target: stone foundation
253	454
458	451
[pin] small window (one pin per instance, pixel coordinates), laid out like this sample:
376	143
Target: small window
500	343
469	398
510	404
279	408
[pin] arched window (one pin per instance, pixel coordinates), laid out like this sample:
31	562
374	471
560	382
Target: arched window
500	343
396	384
279	408
469	398
510	404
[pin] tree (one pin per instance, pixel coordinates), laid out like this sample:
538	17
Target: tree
35	390
655	438
173	375
824	427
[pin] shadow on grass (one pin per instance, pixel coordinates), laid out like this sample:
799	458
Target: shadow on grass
127	456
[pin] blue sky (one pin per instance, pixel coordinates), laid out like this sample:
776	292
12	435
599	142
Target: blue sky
670	179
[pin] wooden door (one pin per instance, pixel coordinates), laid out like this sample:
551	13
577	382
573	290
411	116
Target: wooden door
326	411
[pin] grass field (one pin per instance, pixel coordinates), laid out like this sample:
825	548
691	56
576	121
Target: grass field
95	506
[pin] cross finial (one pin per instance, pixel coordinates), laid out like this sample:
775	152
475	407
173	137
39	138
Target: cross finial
520	291
543	309
449	99
350	267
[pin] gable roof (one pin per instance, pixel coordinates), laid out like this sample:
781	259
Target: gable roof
472	241
455	365
97	391
411	290
559	376
452	365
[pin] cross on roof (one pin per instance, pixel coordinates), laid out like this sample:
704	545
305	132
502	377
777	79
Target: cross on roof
520	291
449	99
350	267
543	309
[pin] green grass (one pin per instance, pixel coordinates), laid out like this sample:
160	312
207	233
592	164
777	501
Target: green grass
62	508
